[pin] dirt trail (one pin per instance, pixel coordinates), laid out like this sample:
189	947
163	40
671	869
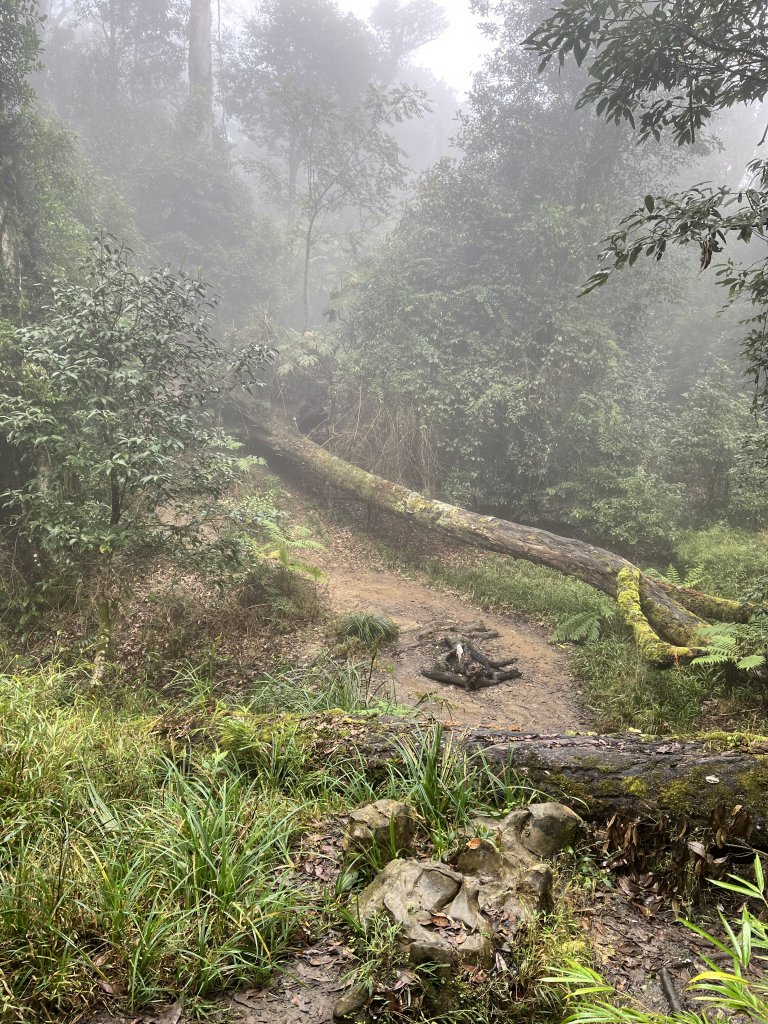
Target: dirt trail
545	699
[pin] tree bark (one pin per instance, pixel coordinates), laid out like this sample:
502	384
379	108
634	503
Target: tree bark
664	618
201	72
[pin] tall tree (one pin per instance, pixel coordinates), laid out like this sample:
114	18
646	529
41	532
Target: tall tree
19	56
351	166
200	72
292	56
115	71
404	27
300	81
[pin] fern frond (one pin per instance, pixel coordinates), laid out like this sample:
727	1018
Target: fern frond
692	577
583	627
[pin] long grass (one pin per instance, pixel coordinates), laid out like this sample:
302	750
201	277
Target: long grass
510	584
141	865
150	867
122	871
323	686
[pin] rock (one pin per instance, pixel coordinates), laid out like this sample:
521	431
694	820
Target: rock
494	887
537	885
387	825
550	827
540	830
351	1001
465	908
440	923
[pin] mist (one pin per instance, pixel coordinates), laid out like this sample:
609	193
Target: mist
383	520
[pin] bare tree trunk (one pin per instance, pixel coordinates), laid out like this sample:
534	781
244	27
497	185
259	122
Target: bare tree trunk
201	72
664	618
305	276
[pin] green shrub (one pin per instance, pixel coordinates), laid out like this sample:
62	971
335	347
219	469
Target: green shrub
733	561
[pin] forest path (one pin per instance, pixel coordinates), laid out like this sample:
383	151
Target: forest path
356	578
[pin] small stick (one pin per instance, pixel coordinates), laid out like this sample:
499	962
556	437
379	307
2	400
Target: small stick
448	677
670	994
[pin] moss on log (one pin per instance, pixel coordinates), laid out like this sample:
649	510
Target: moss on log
632	775
647	639
599	776
664	619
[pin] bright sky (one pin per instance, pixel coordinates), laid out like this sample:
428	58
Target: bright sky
459	51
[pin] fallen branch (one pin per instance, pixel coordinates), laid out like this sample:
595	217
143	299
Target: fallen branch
665	619
600	776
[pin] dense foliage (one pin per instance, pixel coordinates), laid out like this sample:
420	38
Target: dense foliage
670	72
485	377
180	720
109	411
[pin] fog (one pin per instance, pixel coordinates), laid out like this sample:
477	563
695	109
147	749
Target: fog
396	202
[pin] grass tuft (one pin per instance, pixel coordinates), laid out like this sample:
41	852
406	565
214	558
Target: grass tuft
372	629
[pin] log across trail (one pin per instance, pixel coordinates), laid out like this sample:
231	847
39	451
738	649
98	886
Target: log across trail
664	618
699	780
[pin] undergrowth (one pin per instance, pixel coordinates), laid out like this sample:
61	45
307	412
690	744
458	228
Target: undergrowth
623	690
371	628
119	869
147	839
732	985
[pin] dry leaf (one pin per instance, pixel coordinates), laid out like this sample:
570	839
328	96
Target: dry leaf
441	921
172	1015
403	978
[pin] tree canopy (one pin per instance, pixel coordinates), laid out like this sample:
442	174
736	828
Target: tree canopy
668	68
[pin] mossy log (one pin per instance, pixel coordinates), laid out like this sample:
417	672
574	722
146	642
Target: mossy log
599	776
664	618
632	775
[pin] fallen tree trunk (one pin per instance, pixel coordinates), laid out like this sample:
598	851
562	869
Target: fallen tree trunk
702	780
664	618
630	775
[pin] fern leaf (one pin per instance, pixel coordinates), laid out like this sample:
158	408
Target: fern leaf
579	628
751	661
718	658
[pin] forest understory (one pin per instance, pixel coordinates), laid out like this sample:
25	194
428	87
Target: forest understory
383	574
250	738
